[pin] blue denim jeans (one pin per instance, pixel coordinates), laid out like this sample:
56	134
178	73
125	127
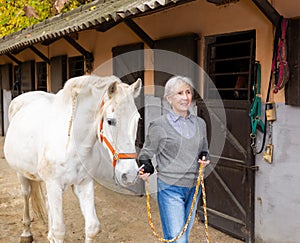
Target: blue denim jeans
174	203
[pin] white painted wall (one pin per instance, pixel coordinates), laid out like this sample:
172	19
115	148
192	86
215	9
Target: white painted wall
277	192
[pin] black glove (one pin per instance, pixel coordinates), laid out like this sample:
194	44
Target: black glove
148	167
205	154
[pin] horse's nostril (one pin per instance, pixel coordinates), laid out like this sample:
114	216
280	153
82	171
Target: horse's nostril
124	178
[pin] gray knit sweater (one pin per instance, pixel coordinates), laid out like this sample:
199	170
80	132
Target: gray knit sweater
176	156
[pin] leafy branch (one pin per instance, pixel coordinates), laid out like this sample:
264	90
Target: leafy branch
21	14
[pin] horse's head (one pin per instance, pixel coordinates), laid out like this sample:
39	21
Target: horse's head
118	127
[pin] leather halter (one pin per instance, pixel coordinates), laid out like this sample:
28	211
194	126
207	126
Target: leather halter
116	155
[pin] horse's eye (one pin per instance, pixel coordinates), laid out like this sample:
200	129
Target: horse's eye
111	121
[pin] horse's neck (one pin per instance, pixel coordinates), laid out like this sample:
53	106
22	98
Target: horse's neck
86	120
87	103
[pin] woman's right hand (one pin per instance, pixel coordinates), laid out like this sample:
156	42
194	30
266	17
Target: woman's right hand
146	169
142	175
204	162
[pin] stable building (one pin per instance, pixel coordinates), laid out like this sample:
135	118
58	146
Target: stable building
227	47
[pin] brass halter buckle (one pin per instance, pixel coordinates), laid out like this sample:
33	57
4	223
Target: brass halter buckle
115	156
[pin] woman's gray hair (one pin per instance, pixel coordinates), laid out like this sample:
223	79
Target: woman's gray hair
173	82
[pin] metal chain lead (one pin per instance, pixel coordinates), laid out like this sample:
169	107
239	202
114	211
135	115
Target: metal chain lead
200	180
270	125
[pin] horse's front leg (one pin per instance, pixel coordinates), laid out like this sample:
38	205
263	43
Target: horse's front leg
57	228
26	236
85	195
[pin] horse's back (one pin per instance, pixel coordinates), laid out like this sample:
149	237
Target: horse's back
24	100
27	114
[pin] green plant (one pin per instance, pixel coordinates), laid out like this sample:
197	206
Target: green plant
16	15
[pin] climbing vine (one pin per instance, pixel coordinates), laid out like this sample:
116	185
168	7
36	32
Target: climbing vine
21	14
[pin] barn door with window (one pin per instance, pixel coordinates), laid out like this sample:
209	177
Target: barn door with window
185	46
230	186
128	65
28	76
58	71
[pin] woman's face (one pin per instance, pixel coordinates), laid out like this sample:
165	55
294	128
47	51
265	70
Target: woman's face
181	99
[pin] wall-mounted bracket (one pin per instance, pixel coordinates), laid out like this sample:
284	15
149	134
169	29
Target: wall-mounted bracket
40	54
140	32
89	57
269	11
13	58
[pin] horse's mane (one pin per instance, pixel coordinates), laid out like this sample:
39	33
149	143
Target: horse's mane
76	84
72	86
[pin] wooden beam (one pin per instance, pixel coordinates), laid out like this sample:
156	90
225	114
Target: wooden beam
48	42
140	32
40	54
268	10
215	1
13	58
89	57
76	46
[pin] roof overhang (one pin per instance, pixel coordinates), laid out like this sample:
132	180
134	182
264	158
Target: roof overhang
99	14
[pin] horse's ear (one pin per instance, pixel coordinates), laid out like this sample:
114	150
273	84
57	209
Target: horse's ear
112	89
136	87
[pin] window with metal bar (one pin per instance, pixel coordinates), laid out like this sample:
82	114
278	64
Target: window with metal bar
230	65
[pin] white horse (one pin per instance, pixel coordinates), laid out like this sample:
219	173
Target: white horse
55	139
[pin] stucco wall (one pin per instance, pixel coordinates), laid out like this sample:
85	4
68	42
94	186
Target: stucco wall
207	19
199	17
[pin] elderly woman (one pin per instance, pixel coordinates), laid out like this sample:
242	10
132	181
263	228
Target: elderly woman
176	140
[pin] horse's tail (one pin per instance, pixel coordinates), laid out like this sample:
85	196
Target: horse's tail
38	200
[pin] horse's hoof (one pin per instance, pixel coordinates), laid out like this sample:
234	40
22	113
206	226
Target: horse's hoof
26	239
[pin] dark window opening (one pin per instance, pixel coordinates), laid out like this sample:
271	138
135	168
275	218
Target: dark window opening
41	76
76	66
230	66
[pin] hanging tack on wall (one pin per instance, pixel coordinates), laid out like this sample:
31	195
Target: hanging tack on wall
270	111
268	152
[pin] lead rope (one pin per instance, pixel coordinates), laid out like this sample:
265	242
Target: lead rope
200	180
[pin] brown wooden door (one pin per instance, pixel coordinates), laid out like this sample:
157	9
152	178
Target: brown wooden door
28	76
230	185
58	72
